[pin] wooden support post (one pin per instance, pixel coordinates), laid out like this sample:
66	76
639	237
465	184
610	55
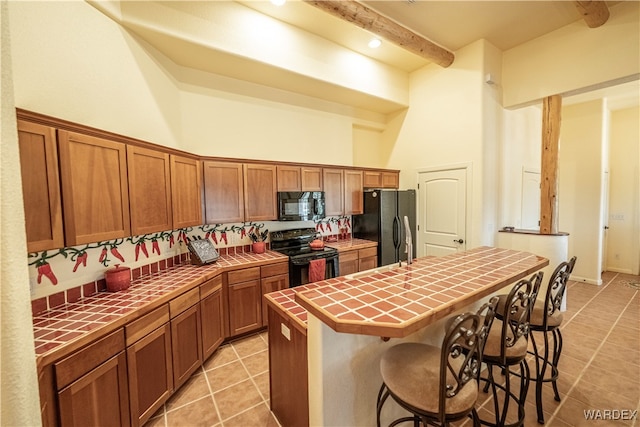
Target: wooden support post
551	108
594	12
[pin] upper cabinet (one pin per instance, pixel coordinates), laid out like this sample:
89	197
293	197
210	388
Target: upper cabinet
40	186
149	190
380	179
186	178
333	191
95	194
299	178
353	195
223	192
343	192
260	192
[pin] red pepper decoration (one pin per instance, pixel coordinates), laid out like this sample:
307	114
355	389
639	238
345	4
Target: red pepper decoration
137	251
103	254
155	247
329	226
206	236
45	270
81	259
115	253
171	240
243	232
143	248
251	229
214	238
321	227
348	222
223	236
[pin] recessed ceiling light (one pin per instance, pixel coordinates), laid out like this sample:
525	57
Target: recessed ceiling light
375	43
278	2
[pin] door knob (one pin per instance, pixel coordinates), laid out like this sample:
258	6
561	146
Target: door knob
459	241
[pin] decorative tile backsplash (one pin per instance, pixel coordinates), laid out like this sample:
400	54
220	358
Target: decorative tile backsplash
68	274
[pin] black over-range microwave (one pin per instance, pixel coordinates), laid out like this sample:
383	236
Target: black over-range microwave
300	205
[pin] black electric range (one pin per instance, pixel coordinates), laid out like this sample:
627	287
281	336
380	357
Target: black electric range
295	243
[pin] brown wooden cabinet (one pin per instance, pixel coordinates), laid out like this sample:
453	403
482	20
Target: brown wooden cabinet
299	178
244	294
260	192
40	186
353	195
149	190
223	192
212	316
372	179
343	192
186	345
333	191
390	180
367	258
92	384
150	367
186	186
356	260
95	192
288	372
274	277
348	262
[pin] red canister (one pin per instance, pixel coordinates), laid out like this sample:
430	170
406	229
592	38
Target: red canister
118	278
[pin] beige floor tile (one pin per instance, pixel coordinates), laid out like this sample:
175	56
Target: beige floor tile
223	355
195	388
249	346
257	416
257	363
226	375
200	413
262	381
237	398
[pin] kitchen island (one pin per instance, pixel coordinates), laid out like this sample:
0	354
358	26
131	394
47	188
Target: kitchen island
332	330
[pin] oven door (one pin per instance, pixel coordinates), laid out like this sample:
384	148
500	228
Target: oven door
299	269
300	205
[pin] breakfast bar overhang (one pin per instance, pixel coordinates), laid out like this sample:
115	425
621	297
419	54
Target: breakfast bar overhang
343	320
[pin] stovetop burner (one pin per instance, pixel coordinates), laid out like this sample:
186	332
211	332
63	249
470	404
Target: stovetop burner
295	243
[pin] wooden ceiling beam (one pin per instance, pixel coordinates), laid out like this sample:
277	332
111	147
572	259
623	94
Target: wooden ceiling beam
380	25
594	12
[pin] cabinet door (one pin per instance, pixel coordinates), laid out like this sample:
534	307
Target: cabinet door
272	284
149	190
185	344
212	314
186	186
372	179
333	191
353	195
260	192
245	307
311	179
348	262
40	186
150	374
95	191
99	398
289	178
223	192
390	180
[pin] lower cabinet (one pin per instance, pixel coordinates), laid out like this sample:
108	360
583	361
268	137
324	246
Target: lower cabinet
212	316
367	258
244	292
92	384
274	277
353	261
186	347
150	366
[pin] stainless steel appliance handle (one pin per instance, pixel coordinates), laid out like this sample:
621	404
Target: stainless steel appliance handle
395	231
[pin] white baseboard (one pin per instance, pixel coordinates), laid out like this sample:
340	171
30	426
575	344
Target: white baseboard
620	270
596	282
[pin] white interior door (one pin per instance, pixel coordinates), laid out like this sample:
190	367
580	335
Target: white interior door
605	220
530	200
442	212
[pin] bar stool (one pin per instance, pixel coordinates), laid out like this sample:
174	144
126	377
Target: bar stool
438	385
506	347
547	318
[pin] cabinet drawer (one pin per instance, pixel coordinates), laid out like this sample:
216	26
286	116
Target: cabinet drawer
184	301
347	256
243	275
210	286
144	325
73	367
274	269
364	253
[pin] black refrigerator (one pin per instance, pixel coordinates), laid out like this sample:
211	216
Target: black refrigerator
383	222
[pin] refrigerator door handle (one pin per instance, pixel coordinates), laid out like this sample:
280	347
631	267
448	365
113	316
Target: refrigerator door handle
395	232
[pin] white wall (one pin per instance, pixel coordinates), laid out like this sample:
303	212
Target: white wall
580	174
574	57
624	192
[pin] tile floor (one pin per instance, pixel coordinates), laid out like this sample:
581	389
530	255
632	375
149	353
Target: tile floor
599	369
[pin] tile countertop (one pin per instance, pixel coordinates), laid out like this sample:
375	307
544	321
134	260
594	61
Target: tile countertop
351	244
402	300
66	328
